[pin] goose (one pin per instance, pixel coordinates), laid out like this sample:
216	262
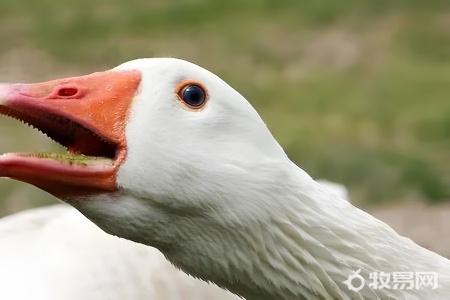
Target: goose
164	153
54	253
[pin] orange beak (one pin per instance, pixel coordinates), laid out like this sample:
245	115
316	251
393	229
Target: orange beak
87	115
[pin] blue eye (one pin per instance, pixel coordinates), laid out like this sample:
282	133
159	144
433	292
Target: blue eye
193	95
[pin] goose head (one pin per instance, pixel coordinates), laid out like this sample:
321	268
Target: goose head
194	147
165	153
159	150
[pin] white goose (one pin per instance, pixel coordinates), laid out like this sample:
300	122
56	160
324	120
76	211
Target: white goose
55	253
176	159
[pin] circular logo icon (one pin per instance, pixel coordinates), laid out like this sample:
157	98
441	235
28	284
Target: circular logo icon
357	277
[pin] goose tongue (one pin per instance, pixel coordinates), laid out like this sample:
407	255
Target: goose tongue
85	114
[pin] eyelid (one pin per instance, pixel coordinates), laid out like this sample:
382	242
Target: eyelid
185	82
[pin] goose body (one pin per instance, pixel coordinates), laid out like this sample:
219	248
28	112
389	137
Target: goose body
184	163
54	253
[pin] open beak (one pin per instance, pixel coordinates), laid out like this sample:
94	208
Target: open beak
87	115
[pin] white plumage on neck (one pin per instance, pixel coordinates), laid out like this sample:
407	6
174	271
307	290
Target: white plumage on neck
54	253
214	191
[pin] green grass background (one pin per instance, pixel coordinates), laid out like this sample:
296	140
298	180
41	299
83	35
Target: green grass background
355	91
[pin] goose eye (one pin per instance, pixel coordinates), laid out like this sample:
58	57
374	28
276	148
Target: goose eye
193	95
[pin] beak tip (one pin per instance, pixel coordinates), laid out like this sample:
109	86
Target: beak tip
5	90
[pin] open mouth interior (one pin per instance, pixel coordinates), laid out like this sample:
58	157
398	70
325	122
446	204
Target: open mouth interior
83	145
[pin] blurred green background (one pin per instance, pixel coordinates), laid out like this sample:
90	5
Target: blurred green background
357	92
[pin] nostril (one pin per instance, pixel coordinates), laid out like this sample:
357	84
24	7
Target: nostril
67	92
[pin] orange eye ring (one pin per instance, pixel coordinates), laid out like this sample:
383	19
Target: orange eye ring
192	93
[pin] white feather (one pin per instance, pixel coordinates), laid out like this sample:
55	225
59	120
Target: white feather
54	253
